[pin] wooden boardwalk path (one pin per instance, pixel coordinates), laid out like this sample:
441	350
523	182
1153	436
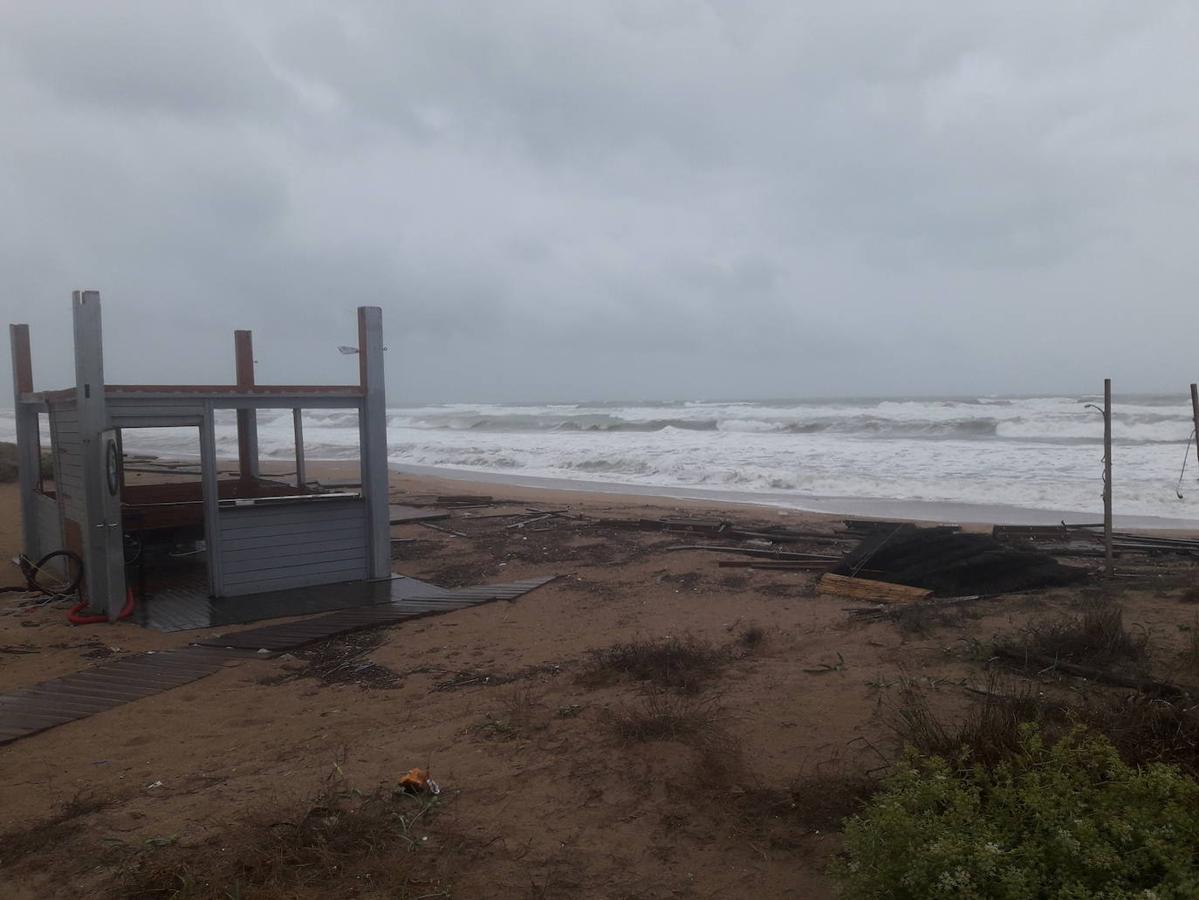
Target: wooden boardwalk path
116	682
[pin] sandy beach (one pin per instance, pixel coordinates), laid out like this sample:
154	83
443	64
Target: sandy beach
541	794
614	451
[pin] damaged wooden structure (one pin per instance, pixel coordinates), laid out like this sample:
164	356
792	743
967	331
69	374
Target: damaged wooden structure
218	535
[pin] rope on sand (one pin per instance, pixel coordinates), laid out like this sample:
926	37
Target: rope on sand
1185	456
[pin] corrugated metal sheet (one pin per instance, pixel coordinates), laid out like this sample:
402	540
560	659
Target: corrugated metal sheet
269	548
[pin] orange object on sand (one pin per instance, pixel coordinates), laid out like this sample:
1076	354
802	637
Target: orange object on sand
415	782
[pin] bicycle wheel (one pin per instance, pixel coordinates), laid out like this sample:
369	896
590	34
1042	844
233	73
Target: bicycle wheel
133	547
58	572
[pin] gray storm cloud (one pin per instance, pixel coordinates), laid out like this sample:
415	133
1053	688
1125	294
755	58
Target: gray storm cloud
611	199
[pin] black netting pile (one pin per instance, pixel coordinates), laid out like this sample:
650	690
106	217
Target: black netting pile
952	563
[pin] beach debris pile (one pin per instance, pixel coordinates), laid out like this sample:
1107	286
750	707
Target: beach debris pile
950	563
1087	540
869	558
876	561
760	543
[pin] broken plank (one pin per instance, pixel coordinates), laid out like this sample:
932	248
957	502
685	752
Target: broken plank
878	613
707	526
442	530
762	552
866	589
507	514
403	515
523	522
789	537
798	565
456	501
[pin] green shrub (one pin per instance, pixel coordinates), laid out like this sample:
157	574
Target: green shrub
1062	822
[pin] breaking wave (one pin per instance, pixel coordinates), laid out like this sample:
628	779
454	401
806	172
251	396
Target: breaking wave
1051	419
1034	452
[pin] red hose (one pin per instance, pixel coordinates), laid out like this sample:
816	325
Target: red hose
75	619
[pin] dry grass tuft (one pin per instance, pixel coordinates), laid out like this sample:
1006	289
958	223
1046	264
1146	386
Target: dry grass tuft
520	713
1146	729
813	803
57	831
921	618
345	843
664	716
681	664
1143	728
751	637
987	734
1098	637
1190	595
1191	651
520	704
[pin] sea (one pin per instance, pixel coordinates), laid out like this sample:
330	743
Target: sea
1010	459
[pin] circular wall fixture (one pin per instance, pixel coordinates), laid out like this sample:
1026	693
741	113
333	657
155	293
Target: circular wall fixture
112	466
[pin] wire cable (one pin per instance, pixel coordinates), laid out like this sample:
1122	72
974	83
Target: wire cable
1185	456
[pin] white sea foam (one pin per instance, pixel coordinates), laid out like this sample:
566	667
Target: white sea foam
1036	453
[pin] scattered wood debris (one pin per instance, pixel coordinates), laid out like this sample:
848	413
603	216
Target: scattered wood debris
1046	663
454	501
866	589
448	531
725	529
881	613
874	527
762	552
798	565
1084	540
403	515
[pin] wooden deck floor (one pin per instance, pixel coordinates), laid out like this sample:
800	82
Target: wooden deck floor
114	683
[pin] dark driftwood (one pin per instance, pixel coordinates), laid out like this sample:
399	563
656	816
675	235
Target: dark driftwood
895	612
450	531
763	552
799	565
778	535
1103	676
872	613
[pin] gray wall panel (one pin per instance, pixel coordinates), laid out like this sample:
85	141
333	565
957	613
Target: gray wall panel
265	548
48	525
68	458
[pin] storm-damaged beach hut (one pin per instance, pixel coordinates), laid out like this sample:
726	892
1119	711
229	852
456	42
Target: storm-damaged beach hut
195	531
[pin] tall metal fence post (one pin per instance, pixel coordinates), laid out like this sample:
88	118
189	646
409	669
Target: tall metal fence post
1109	567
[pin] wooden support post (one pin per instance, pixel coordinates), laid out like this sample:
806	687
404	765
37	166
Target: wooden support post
1107	476
297	417
212	505
29	452
103	544
372	436
247	419
1195	416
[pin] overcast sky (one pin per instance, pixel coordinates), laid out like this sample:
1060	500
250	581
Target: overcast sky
611	200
